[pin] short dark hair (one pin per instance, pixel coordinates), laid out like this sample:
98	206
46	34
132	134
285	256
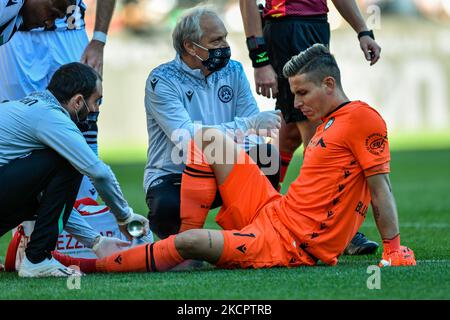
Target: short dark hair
71	79
317	62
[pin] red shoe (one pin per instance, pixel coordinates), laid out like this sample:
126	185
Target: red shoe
16	250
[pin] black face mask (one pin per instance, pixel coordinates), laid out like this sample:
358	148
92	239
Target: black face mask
84	123
92	116
218	58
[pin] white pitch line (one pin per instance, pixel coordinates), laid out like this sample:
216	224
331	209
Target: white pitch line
433	261
434	225
418	261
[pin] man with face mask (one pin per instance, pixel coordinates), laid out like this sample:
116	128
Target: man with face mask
42	158
48	34
200	87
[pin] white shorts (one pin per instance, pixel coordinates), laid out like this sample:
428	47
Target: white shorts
29	59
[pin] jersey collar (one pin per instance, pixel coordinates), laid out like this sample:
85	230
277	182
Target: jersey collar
338	107
47	97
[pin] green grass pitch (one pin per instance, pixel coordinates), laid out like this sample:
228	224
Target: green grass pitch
421	182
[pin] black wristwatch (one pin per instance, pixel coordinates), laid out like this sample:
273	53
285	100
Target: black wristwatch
255	42
366	33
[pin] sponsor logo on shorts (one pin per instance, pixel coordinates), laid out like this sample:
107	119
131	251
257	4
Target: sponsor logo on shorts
225	93
376	143
242	248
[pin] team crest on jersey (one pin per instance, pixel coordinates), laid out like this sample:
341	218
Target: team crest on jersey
225	93
329	123
376	143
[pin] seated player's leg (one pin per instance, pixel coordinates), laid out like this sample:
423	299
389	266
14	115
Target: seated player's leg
262	244
165	254
164	202
243	187
198	191
265	243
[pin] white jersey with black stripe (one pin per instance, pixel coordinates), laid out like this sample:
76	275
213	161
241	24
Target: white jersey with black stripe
10	20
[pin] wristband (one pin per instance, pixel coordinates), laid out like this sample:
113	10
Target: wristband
99	36
255	42
259	56
366	33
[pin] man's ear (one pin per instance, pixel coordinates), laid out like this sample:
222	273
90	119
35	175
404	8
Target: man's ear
329	84
76	101
189	47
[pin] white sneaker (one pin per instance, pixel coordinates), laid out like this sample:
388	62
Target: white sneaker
46	268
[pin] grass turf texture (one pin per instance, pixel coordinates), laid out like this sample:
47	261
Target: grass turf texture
421	182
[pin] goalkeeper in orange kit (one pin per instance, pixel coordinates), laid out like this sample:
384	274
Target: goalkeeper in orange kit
345	169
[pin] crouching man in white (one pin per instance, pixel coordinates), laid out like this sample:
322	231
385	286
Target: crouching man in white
43	156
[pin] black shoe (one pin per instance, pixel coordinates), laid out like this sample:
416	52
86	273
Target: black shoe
360	245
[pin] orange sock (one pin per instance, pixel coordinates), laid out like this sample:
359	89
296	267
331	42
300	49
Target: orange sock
85	265
158	256
198	190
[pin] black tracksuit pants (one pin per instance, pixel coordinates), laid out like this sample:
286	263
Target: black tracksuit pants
42	187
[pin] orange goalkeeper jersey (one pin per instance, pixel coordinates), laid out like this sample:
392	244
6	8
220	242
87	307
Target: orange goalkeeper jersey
325	206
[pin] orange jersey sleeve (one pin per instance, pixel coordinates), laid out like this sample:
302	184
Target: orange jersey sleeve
367	138
381	168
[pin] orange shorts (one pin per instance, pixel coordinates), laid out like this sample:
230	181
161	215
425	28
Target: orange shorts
254	236
245	191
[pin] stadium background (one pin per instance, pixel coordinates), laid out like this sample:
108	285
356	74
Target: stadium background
410	86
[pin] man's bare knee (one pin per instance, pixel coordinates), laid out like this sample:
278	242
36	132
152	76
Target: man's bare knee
201	244
187	243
